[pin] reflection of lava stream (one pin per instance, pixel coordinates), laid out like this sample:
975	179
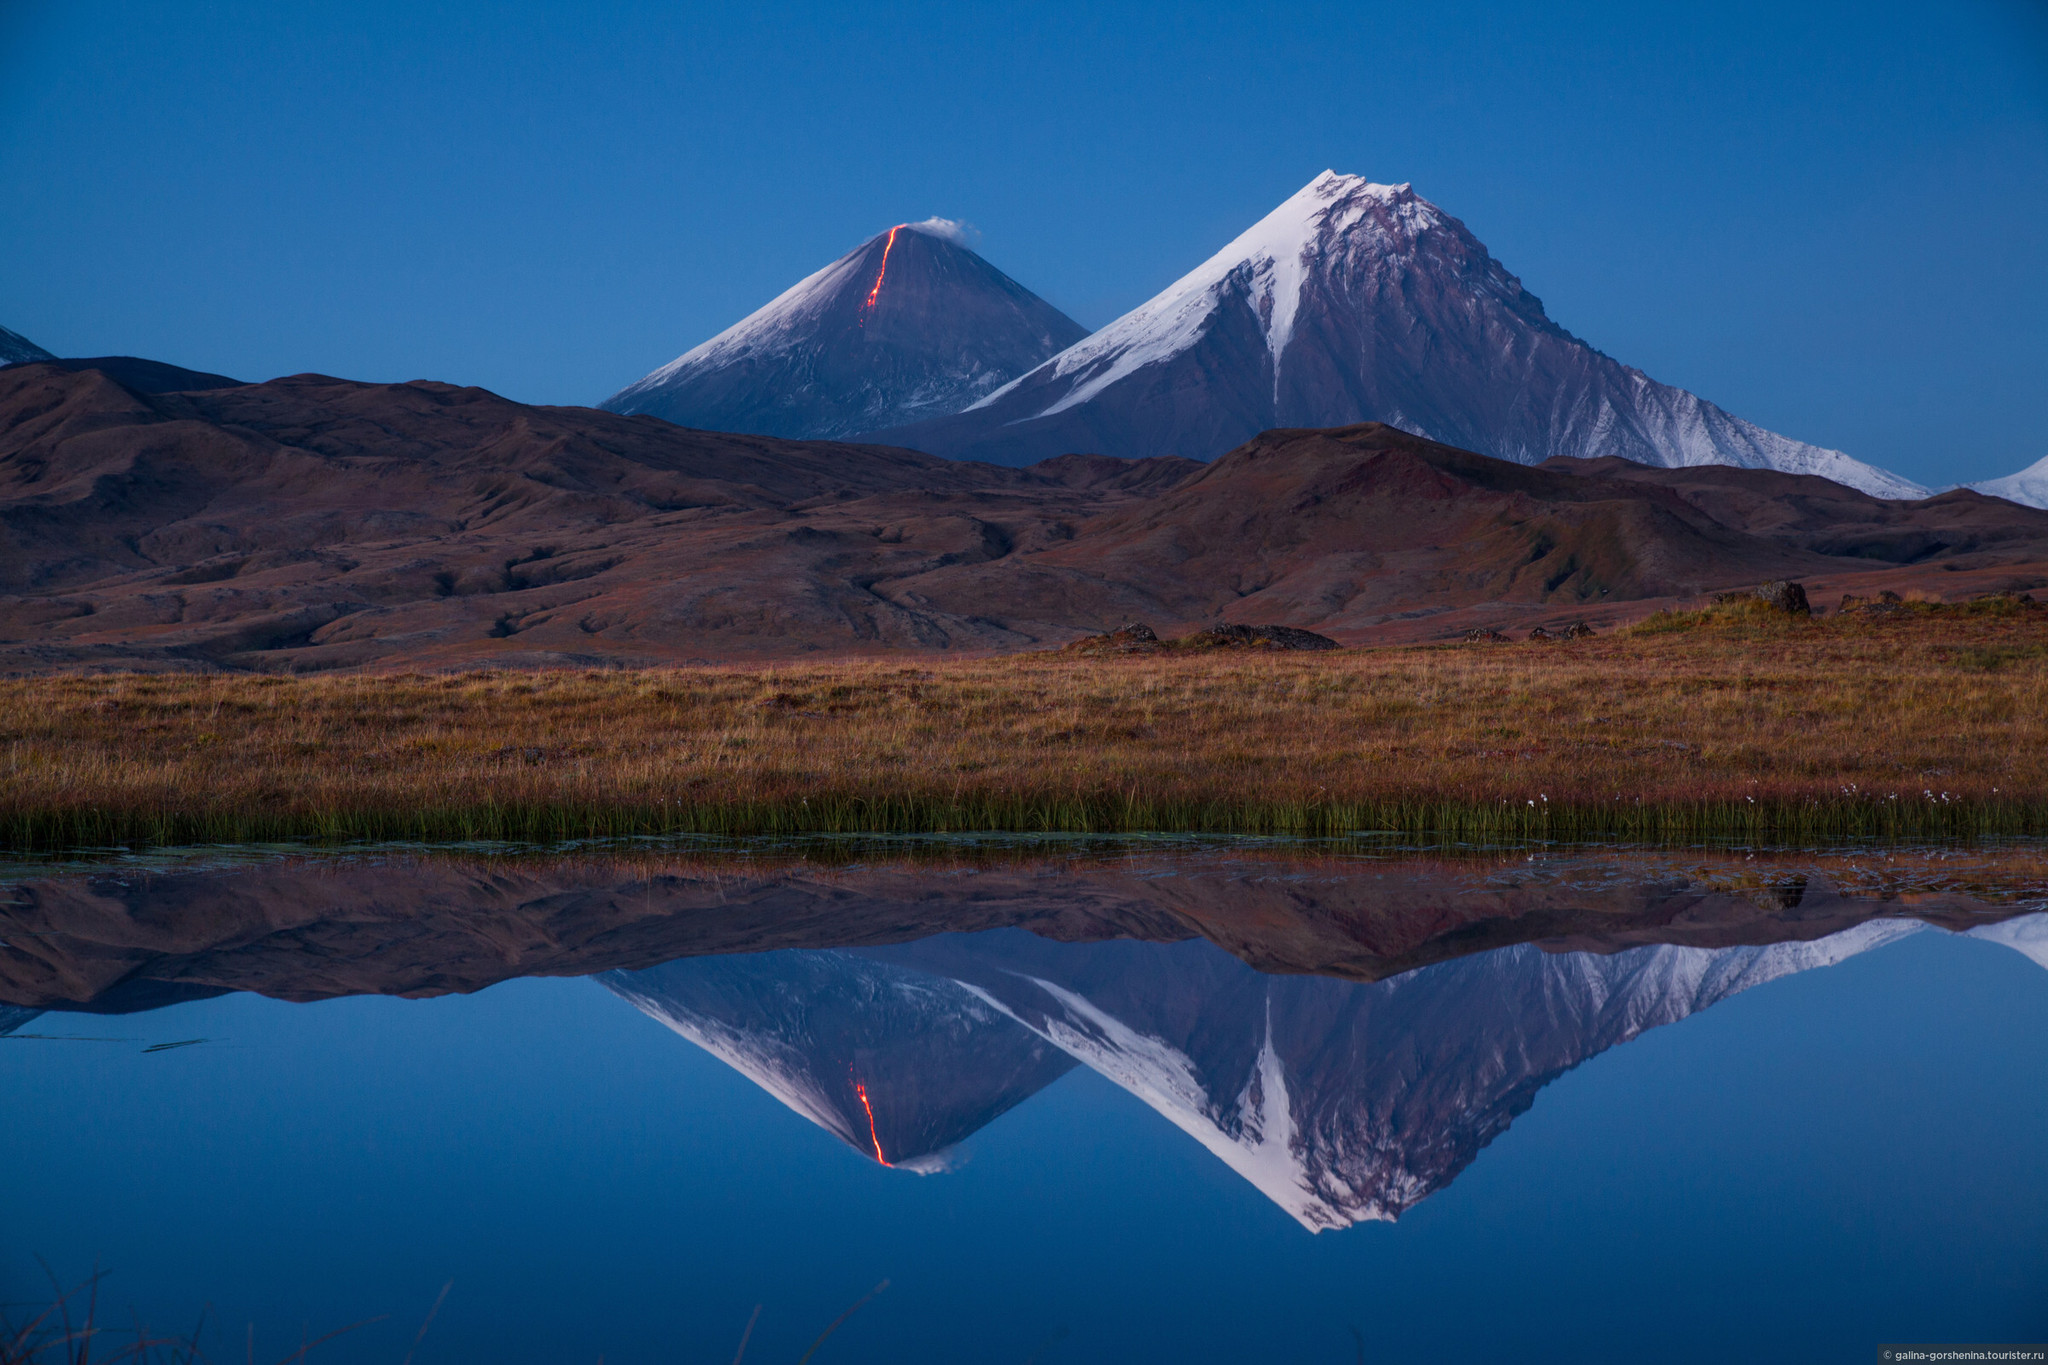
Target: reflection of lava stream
862	1090
876	292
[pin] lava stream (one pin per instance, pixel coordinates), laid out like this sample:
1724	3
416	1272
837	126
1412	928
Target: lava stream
858	1088
887	246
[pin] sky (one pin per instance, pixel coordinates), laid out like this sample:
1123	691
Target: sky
1826	218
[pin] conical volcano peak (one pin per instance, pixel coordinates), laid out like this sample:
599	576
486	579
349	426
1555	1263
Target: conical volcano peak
909	325
1355	301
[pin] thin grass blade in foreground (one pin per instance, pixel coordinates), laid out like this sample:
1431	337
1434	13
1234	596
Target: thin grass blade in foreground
747	1336
858	1304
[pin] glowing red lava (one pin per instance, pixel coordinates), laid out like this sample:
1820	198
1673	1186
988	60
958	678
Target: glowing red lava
887	246
858	1088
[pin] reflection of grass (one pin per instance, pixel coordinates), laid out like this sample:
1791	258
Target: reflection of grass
68	1332
1731	724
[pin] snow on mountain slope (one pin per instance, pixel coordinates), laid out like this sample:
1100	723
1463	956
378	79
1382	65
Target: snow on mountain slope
1352	302
16	348
909	325
1341	1102
2029	487
2026	935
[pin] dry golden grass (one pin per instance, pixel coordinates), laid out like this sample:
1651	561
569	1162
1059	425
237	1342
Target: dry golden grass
1727	724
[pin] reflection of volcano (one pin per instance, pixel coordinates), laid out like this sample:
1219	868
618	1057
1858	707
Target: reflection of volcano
897	1063
13	1017
1340	1101
1344	1102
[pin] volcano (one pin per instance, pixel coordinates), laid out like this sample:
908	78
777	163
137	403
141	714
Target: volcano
1355	302
15	349
910	325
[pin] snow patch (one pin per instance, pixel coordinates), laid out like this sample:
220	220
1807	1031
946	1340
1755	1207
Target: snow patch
2028	488
2026	935
1265	266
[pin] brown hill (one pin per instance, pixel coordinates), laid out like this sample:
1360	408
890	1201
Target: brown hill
317	523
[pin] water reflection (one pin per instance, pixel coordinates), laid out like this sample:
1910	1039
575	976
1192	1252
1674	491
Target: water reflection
1344	1031
1339	1101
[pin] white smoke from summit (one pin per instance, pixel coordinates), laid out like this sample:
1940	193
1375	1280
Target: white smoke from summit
952	229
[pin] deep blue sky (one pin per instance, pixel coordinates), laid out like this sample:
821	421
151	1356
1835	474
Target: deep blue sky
1828	218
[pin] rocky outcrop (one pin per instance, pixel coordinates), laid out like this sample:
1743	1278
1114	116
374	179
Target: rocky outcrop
1780	595
1257	637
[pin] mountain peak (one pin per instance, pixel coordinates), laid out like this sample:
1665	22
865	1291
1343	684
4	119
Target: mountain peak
910	324
1355	301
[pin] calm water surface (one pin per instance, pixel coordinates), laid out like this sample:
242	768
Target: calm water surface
1167	1102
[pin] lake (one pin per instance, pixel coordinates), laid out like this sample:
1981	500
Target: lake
1072	1100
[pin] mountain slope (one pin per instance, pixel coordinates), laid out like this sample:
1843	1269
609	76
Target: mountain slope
16	349
909	325
2028	488
1354	302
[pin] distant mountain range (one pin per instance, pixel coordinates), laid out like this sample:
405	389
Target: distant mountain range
908	325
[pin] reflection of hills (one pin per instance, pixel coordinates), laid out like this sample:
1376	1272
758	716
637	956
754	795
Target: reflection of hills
895	1062
312	928
13	1017
1340	1101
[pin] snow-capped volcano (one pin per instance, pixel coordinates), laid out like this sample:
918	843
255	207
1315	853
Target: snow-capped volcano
2028	488
1355	302
16	349
909	325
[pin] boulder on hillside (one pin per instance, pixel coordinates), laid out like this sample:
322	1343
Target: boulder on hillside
1485	635
1577	630
1133	637
1256	637
1780	594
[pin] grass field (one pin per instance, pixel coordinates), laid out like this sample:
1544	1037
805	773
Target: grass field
1926	721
